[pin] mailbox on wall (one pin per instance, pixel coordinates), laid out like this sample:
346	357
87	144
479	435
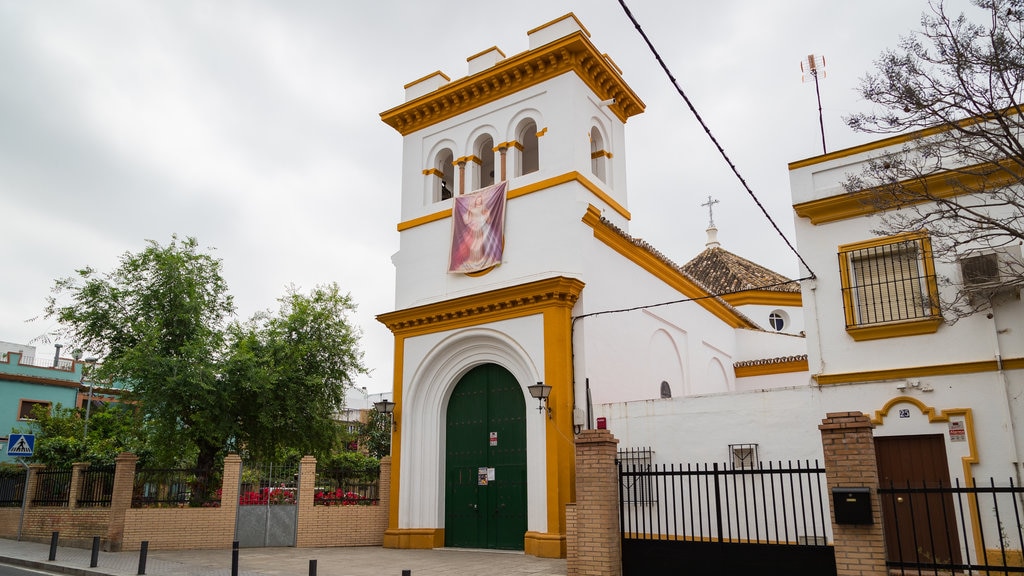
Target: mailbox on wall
852	505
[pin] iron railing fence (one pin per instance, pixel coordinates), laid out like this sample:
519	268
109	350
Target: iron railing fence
53	487
954	529
12	487
777	504
175	487
335	488
268	484
97	486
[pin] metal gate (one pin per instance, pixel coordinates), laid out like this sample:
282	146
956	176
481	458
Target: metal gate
720	520
267	506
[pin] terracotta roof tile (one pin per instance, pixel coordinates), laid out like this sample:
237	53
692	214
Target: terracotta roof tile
723	272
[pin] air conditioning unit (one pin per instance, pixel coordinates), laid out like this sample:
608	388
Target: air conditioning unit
990	271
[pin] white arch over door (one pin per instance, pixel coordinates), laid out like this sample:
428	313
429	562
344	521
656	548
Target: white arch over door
425	402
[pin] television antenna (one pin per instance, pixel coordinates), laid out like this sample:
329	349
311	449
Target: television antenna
812	68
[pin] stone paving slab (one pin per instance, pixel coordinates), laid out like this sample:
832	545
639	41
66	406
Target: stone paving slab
361	561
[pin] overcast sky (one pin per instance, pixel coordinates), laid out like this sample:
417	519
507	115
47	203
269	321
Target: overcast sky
254	126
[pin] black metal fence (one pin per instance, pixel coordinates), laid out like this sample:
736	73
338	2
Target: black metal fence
335	488
53	487
175	487
715	519
778	504
12	487
97	486
946	529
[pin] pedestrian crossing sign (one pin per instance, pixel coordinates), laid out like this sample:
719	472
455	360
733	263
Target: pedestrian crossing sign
21	445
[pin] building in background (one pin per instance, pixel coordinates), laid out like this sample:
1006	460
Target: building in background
27	382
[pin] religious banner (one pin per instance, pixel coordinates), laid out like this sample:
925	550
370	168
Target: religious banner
478	229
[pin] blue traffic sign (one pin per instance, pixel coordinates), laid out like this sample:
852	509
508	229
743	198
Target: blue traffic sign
21	445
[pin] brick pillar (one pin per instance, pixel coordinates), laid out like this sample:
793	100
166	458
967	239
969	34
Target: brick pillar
598	541
229	497
120	499
384	483
77	471
305	531
571	556
33	479
849	448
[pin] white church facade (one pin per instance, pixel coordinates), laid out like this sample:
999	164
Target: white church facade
569	299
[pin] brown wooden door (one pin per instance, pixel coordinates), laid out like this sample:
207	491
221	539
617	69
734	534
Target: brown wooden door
918	527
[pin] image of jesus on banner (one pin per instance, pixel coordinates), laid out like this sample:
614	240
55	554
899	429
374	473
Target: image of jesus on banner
478	229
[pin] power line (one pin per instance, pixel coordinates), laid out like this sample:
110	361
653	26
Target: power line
680	301
707	131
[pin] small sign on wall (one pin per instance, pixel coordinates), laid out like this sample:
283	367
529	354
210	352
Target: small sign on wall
957	432
494	438
481	476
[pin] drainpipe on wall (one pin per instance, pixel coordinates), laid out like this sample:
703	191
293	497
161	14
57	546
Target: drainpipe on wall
1008	414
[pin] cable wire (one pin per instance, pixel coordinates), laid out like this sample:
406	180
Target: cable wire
707	131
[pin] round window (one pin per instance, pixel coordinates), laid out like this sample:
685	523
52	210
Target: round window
777	319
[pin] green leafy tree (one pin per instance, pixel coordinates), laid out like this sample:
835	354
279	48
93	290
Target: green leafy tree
959	80
157	323
61	438
376	434
162	323
293	368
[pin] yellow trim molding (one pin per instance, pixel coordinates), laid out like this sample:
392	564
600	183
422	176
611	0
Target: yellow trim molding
897	328
542	132
482	52
544	545
556	21
530	189
797	365
573	53
919	372
946	184
492	306
661	269
433	172
894	329
764	298
414	538
427	77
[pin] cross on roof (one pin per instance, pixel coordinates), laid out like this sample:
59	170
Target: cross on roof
711	216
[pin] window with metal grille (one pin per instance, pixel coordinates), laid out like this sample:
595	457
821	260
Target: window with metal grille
888	280
743	456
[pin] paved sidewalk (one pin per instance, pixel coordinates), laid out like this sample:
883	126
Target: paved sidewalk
363	561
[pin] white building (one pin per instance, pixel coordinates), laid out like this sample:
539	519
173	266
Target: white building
947	398
573	301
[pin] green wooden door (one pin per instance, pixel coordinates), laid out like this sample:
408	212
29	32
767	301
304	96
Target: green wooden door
485	470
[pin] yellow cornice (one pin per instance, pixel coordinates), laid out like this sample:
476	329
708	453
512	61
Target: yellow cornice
492	306
939	185
529	189
663	271
764	298
919	372
767	368
573	53
898	139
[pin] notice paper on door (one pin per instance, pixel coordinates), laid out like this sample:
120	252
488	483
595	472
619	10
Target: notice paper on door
482	476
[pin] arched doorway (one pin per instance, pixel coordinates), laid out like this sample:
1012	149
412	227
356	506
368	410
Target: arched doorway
485	461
